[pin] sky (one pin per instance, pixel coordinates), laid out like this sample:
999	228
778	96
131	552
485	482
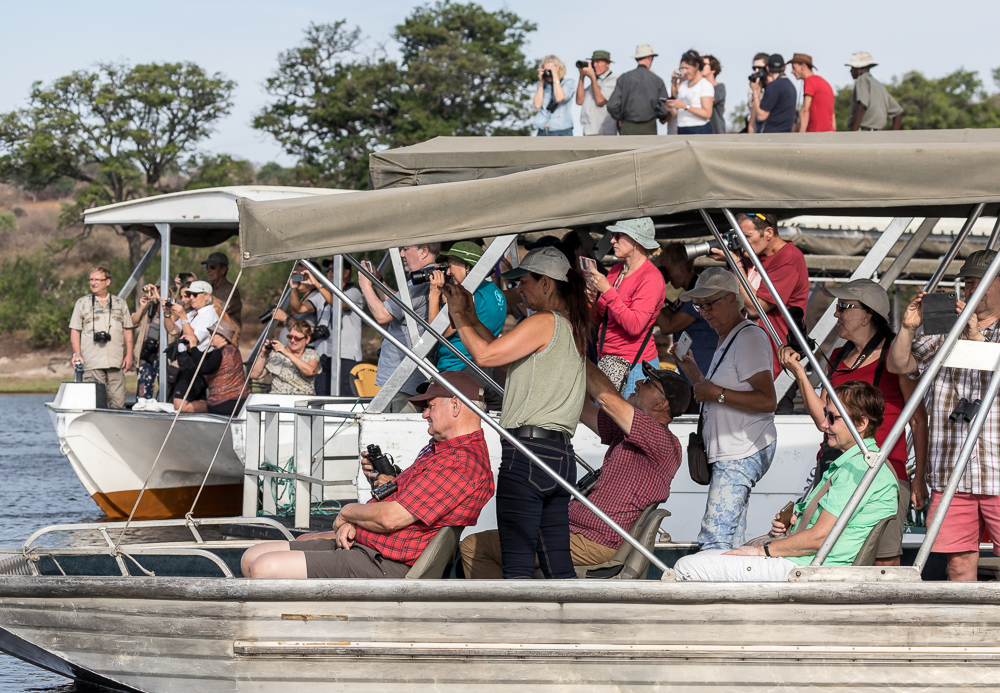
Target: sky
243	39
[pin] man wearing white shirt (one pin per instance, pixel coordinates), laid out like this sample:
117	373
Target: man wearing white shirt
196	333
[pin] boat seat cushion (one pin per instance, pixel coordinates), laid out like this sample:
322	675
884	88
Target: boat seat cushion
438	556
869	550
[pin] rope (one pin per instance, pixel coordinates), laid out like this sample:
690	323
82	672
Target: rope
173	423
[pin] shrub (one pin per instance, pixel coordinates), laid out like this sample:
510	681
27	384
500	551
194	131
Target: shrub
8	220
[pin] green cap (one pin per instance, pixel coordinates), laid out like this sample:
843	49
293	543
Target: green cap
466	251
601	55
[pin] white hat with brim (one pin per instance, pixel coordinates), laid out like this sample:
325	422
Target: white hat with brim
200	287
862	59
712	281
644	50
640	230
548	261
865	291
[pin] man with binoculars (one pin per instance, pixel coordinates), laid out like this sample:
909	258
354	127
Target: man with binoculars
100	331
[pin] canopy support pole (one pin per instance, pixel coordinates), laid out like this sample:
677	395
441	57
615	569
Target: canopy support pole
336	318
404	294
432	372
994	241
140	270
956	245
923	385
268	330
165	284
907	252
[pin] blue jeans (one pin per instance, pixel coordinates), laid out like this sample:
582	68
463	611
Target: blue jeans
635	375
568	132
725	521
705	129
533	510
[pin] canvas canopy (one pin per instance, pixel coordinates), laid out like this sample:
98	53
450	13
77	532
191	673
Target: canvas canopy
925	173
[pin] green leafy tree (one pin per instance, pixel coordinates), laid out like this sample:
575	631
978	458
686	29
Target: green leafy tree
273	173
117	130
462	72
217	170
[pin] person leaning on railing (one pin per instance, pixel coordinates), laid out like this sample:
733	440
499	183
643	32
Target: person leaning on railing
976	504
862	318
770	559
293	368
542	403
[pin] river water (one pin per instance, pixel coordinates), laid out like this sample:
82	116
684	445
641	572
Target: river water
39	489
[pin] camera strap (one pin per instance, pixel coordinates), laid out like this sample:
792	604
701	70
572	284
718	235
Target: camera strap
871	346
93	311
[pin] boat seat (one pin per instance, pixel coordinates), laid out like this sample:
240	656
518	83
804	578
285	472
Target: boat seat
627	563
992	564
869	550
438	556
363	381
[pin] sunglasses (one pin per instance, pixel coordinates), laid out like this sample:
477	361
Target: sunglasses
841	307
700	307
188	294
293	338
212	267
832	418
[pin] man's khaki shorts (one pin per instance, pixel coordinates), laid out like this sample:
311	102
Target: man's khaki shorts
325	560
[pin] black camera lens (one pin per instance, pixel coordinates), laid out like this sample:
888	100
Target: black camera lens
580	64
547	75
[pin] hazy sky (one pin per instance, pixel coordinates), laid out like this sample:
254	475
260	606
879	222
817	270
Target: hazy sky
242	40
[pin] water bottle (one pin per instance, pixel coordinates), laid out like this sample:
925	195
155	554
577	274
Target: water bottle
78	371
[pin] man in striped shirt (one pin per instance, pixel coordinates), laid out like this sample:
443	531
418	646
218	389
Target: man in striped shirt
976	504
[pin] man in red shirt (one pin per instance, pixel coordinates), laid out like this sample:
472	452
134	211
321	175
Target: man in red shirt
446	486
816	114
642	458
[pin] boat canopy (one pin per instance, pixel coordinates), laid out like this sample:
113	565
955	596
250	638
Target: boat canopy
198	218
913	173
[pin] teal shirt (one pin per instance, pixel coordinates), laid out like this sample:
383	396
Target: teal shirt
491	309
879	502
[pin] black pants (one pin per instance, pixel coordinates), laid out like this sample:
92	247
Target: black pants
226	408
323	380
533	510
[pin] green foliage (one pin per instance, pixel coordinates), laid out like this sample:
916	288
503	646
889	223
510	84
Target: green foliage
273	173
842	106
463	72
8	220
213	171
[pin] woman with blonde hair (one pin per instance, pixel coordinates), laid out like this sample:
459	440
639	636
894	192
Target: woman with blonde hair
294	367
553	116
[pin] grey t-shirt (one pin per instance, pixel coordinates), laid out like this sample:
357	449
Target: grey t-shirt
718	120
390	357
350	328
877	99
594	119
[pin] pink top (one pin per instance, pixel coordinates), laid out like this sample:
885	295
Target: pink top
632	308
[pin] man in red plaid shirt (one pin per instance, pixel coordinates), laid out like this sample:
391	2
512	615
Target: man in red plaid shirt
642	458
446	486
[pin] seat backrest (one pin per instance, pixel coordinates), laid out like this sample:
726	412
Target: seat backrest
438	555
364	380
636	564
869	550
625	549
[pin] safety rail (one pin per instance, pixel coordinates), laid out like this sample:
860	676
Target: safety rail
192	525
271	458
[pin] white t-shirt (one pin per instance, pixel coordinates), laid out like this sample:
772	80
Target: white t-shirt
202	323
731	434
692	97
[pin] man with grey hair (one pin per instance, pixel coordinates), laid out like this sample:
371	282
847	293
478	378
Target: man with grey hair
391	316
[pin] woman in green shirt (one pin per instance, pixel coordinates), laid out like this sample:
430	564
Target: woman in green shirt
772	560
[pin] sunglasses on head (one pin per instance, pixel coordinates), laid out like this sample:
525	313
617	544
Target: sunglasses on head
756	214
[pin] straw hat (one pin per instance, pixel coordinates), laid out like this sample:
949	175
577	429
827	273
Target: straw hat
644	50
861	59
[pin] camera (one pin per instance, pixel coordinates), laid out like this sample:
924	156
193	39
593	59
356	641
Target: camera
298	277
168	303
798	317
693	250
101	338
580	64
679	74
266	317
758	74
547	75
320	332
381	463
422	276
269	345
588	482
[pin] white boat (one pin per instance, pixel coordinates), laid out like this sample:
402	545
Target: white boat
93	615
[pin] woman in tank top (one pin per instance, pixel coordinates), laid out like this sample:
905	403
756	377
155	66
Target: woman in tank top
543	400
862	319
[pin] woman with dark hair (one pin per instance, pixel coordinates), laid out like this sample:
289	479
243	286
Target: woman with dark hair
542	403
711	68
862	319
694	97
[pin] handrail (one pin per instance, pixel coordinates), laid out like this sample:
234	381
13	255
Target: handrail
133	549
138	524
305	412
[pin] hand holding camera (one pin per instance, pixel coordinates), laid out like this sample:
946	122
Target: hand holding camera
544	75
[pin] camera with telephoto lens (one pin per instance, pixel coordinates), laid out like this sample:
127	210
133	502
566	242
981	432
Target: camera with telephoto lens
266	317
422	276
101	338
693	250
758	74
589	481
580	64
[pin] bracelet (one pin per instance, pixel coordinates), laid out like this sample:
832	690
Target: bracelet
767	549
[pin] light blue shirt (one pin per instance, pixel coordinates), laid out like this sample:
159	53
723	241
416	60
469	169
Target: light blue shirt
562	117
491	309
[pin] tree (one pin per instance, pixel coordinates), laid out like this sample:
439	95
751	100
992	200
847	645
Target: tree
117	129
462	72
217	170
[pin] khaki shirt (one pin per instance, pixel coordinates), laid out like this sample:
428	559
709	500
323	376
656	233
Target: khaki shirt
871	93
114	318
235	309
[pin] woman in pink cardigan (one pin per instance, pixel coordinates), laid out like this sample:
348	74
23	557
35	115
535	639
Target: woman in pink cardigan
630	298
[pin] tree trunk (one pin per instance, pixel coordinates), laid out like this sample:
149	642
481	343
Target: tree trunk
135	239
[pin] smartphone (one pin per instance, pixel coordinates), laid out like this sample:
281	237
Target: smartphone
785	516
683	344
586	263
368	266
939	312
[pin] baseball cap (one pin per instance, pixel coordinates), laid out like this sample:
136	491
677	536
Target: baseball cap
640	230
466	251
775	63
200	287
549	262
463	382
601	55
977	263
226	329
676	389
216	259
865	291
712	281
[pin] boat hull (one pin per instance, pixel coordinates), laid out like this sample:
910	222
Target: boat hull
170	635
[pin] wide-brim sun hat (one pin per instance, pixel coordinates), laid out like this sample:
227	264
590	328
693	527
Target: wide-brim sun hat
468	252
602	55
224	329
640	230
712	281
861	59
644	50
865	291
549	262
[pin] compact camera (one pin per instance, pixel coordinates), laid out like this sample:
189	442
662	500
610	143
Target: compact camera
758	74
101	338
547	75
693	250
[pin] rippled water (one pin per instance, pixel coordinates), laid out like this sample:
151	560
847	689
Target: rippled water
39	489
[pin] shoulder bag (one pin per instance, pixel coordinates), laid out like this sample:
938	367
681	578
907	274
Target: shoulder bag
698	464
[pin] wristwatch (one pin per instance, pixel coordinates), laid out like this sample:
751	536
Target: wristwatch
767	549
721	399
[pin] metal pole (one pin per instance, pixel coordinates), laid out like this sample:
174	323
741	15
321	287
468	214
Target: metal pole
906	253
780	304
994	236
336	318
743	280
139	270
956	474
956	244
165	281
431	372
923	385
265	335
423	323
